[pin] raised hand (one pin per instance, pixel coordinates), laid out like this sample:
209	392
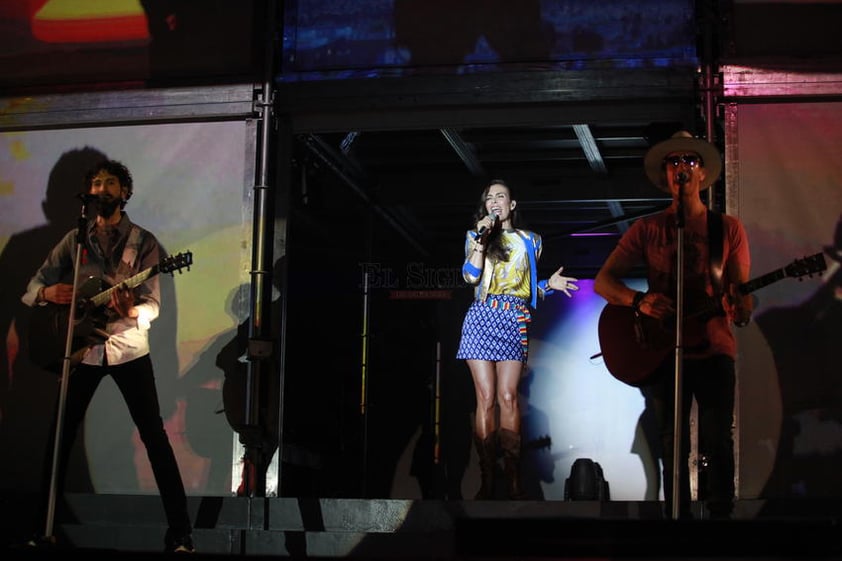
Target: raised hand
565	284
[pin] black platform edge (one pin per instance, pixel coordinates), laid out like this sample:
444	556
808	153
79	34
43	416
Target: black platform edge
650	539
381	529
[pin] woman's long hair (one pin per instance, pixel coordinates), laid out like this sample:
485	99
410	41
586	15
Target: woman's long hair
495	249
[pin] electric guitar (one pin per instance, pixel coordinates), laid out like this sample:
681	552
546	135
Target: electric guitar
48	323
634	345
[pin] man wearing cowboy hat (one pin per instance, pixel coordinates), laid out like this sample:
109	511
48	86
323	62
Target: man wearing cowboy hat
683	166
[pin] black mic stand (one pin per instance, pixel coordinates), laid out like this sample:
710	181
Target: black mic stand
65	377
679	352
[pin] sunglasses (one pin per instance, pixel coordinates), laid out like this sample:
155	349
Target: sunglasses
691	160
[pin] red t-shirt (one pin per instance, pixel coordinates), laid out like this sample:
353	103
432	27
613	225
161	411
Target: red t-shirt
652	241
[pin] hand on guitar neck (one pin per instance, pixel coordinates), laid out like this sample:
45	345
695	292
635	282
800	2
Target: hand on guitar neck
122	302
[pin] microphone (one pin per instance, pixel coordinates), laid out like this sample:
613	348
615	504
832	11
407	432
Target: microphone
86	197
682	177
483	230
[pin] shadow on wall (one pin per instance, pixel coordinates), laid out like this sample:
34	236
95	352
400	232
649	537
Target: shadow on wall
27	393
804	341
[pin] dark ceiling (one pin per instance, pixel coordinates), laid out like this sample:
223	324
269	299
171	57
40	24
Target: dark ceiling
571	147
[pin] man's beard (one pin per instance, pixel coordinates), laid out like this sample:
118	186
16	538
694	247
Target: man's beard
107	206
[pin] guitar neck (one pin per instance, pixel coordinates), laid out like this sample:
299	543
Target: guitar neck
761	281
131	282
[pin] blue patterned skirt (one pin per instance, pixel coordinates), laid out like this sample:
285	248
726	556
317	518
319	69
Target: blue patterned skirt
496	329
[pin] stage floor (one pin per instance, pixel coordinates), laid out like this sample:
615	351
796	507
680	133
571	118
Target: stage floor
379	529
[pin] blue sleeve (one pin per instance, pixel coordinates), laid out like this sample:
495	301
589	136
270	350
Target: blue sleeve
470	273
544	288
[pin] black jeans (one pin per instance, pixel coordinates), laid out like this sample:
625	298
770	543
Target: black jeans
136	382
711	381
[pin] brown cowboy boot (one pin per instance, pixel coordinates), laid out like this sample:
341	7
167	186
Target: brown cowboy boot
487	452
510	444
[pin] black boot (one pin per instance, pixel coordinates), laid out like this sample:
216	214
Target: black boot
510	444
487	452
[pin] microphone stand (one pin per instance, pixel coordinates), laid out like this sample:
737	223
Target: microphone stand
679	353
65	378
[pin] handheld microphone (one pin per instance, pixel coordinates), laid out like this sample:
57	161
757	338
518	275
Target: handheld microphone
483	230
682	177
86	197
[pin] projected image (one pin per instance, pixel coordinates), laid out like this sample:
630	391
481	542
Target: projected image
66	21
182	175
381	38
55	42
49	43
789	177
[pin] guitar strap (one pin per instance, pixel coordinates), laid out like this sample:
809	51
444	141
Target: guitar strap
132	247
715	235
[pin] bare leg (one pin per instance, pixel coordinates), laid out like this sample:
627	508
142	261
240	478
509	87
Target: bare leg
485	382
508	377
485	424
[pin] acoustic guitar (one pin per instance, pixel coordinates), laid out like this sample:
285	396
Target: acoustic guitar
49	323
634	345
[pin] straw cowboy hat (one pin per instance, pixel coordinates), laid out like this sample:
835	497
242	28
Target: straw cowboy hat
835	251
682	141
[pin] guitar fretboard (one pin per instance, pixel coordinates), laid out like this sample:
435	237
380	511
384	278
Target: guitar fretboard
761	281
166	265
131	282
797	269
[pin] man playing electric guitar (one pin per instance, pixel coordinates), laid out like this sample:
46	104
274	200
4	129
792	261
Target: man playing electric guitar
114	249
715	252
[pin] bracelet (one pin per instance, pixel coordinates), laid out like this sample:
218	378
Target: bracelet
40	296
638	298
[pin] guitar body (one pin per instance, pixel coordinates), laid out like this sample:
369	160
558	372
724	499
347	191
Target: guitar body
48	329
48	336
49	323
631	350
633	347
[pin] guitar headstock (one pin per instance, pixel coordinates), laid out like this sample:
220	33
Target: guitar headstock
176	262
808	266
